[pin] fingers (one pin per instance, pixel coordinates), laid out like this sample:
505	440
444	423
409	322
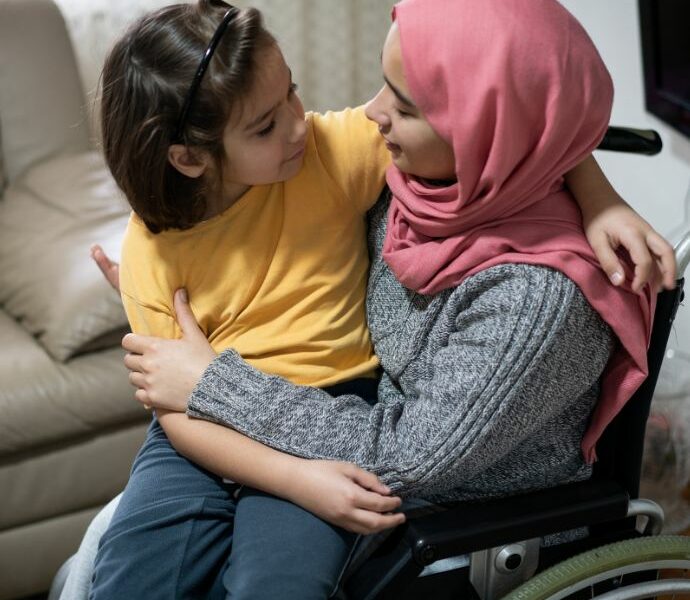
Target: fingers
366	522
138	380
137	344
110	269
376	502
636	245
142	396
134	362
665	258
100	258
605	251
368	480
184	315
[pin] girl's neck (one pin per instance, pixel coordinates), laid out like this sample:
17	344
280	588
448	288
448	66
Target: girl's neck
219	203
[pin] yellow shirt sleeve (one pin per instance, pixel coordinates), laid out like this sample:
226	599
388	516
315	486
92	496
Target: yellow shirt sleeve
146	304
148	320
353	152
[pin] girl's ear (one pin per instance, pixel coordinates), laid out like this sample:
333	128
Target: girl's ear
185	162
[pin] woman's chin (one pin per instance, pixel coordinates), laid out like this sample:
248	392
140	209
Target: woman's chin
402	164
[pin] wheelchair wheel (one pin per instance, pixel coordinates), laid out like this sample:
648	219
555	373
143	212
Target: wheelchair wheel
644	567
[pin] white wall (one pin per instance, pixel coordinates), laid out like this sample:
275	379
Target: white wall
656	186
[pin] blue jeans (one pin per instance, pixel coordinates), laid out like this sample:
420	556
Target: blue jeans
181	532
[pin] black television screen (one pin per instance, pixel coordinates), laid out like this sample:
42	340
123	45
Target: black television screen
665	30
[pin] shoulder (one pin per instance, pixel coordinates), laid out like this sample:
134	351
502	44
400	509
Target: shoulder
331	123
537	301
521	287
148	256
347	135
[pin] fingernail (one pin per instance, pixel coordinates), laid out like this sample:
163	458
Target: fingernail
616	278
183	295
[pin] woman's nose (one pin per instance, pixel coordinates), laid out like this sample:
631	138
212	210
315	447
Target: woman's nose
374	111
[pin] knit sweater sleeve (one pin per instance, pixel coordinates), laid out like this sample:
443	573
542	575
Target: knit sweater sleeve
525	346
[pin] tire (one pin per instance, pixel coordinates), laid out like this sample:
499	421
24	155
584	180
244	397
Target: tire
607	567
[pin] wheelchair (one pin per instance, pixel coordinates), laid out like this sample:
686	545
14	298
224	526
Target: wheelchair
493	549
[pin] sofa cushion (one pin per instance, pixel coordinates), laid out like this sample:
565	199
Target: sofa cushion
49	218
43	401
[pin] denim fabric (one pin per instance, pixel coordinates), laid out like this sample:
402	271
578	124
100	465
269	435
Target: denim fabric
181	532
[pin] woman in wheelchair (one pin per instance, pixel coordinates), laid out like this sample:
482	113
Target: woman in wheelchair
505	349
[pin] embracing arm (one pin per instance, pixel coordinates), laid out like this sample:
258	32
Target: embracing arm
610	223
340	493
524	346
240	458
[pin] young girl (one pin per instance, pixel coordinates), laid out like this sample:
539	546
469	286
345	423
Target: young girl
259	214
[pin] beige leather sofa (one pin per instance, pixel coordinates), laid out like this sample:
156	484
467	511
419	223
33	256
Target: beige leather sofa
68	425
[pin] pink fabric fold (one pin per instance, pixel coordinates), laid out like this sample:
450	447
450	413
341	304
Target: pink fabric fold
521	94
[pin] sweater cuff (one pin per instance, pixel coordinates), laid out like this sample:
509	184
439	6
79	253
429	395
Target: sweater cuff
227	388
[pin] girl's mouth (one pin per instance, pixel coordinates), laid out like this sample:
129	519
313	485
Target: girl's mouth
297	155
393	148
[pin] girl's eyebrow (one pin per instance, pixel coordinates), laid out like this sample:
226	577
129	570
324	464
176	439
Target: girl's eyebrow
399	95
264	116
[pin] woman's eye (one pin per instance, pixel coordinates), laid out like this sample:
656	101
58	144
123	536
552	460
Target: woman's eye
267	130
293	88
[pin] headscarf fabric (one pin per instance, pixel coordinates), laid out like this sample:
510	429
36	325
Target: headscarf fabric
519	91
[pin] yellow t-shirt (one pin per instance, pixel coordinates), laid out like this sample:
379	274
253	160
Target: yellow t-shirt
280	276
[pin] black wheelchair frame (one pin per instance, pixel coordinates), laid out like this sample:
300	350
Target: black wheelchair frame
502	537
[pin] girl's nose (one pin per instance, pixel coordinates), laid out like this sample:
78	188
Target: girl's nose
299	128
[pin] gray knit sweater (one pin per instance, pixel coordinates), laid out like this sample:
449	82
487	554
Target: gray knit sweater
486	388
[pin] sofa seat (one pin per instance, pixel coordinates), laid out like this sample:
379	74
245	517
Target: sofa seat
68	435
67	439
48	409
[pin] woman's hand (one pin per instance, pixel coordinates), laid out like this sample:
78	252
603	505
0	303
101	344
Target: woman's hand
110	269
610	223
344	495
166	371
619	225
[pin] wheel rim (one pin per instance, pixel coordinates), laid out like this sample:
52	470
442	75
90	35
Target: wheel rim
620	573
611	564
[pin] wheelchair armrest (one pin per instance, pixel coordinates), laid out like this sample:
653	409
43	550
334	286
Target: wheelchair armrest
468	527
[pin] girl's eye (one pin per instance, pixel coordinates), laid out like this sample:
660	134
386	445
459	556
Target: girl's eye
403	113
267	130
293	88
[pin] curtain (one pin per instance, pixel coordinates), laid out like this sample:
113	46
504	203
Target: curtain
332	46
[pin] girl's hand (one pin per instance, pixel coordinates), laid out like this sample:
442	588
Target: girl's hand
110	269
166	371
345	495
619	225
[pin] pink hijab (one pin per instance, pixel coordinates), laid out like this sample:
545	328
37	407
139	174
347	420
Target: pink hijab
521	94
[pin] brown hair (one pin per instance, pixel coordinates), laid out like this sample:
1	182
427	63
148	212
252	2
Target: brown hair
145	81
